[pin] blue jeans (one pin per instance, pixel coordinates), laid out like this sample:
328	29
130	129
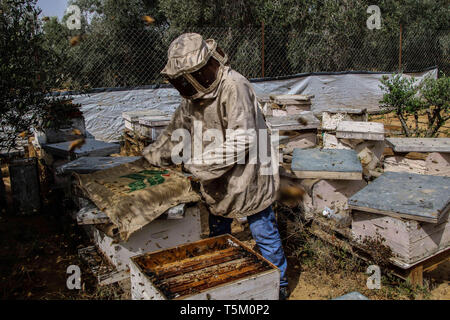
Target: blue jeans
264	229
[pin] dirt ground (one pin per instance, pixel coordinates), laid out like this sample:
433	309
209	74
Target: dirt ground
317	270
310	283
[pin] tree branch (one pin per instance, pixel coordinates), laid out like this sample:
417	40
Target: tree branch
404	125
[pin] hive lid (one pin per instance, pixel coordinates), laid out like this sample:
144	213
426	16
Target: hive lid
420	144
326	164
405	195
91	148
132	116
155	121
92	164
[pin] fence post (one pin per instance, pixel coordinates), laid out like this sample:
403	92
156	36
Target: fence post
3	203
262	49
400	49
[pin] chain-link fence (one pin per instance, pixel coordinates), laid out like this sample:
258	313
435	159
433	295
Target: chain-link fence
131	58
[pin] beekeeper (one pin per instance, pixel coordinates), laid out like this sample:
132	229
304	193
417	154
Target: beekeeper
220	113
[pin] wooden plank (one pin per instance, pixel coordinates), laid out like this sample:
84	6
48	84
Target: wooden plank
331	142
402	164
405	195
420	144
295	97
133	116
155	121
360	130
326	164
303	121
415	275
297	109
356	111
433	262
291	102
328	175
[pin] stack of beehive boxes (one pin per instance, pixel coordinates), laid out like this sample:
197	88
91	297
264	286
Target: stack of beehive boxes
410	212
291	115
364	141
142	128
349	129
333	176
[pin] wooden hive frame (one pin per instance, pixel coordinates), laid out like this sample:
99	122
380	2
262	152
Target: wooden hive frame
215	268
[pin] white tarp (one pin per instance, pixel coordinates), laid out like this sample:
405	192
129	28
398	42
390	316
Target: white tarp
103	111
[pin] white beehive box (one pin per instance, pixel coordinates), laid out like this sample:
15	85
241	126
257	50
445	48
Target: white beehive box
333	116
410	211
360	130
219	268
159	234
410	241
419	155
152	126
131	118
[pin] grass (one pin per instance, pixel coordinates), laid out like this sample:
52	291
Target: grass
336	269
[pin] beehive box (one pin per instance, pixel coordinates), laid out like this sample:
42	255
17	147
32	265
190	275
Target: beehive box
285	105
409	211
360	130
410	241
152	127
419	155
25	187
131	118
219	268
158	234
333	116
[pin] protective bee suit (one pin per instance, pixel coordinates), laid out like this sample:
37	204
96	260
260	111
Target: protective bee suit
227	147
218	99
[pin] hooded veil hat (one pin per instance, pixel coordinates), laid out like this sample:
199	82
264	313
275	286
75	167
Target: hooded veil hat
195	66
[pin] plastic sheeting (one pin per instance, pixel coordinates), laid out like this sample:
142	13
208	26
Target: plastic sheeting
103	110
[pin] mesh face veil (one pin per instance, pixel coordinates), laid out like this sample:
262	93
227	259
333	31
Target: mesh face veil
198	66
